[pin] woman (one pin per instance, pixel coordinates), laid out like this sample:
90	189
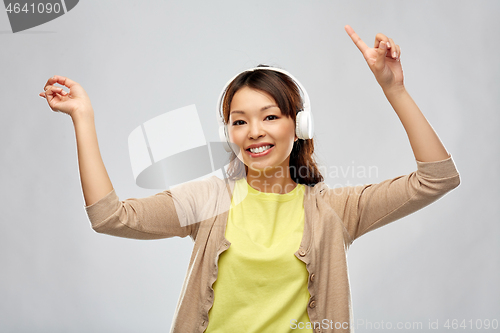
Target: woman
270	245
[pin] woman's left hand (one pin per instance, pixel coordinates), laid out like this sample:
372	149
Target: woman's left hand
383	59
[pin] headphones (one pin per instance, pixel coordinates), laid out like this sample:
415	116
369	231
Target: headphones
304	128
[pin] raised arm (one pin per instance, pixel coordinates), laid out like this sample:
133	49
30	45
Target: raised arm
94	177
384	61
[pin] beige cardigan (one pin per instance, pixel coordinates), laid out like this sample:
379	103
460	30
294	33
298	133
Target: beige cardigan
334	218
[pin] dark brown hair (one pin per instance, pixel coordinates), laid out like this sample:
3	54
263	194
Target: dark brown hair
302	166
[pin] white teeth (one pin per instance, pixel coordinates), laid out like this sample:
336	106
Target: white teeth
260	149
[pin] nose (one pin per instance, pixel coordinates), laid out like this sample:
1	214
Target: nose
255	131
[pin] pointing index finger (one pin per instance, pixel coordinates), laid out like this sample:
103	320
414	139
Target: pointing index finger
356	39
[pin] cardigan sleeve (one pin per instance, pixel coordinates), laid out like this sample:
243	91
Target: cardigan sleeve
170	213
365	208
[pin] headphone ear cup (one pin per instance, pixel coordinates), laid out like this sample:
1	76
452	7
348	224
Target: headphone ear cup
304	128
224	138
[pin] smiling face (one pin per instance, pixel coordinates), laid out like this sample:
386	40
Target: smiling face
256	119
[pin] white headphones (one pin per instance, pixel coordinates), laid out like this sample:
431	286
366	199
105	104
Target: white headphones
304	128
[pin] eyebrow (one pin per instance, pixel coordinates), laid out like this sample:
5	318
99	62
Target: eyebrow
263	109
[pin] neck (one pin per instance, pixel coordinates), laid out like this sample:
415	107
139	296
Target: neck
271	181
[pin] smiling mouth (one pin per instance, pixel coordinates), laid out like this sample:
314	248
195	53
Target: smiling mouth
270	146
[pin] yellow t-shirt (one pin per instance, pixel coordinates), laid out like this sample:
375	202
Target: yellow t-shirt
261	285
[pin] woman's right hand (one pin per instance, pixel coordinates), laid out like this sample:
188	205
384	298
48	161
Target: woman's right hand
70	103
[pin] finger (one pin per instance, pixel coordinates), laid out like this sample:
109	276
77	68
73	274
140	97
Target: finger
380	38
50	82
393	49
65	81
62	80
399	52
53	95
49	93
49	90
56	89
356	39
381	54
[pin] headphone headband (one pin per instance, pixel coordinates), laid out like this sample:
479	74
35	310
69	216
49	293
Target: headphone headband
305	100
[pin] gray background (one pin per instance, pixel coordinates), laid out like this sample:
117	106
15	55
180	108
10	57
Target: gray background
137	60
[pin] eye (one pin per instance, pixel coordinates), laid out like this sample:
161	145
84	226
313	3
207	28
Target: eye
237	122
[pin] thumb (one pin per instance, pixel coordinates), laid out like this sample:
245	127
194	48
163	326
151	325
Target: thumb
381	54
